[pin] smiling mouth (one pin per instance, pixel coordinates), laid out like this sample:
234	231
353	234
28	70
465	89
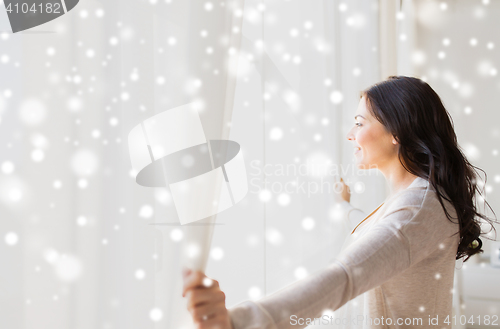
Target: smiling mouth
357	149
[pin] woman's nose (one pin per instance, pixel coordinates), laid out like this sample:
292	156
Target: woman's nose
350	135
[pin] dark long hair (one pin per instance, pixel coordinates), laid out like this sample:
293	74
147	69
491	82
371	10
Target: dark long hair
415	115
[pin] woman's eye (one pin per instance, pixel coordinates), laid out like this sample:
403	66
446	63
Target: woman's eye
358	124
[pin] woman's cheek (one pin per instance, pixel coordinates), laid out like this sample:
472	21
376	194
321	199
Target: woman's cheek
361	139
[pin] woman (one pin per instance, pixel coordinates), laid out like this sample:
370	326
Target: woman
396	268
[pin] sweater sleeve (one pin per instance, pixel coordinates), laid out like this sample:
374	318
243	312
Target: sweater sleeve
380	254
351	215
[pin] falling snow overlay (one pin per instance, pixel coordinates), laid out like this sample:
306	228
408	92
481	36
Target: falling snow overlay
85	246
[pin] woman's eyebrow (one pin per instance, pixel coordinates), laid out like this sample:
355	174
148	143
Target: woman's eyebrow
359	115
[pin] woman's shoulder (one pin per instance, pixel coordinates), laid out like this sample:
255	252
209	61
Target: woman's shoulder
421	196
411	197
419	206
420	192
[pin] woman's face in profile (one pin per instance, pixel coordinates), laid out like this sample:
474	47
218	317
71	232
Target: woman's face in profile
373	145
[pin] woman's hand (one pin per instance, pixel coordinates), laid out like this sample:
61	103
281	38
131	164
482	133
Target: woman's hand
345	194
206	302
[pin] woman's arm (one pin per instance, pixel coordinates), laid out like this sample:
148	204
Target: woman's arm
374	258
351	215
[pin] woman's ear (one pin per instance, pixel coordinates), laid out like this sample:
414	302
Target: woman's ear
394	141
